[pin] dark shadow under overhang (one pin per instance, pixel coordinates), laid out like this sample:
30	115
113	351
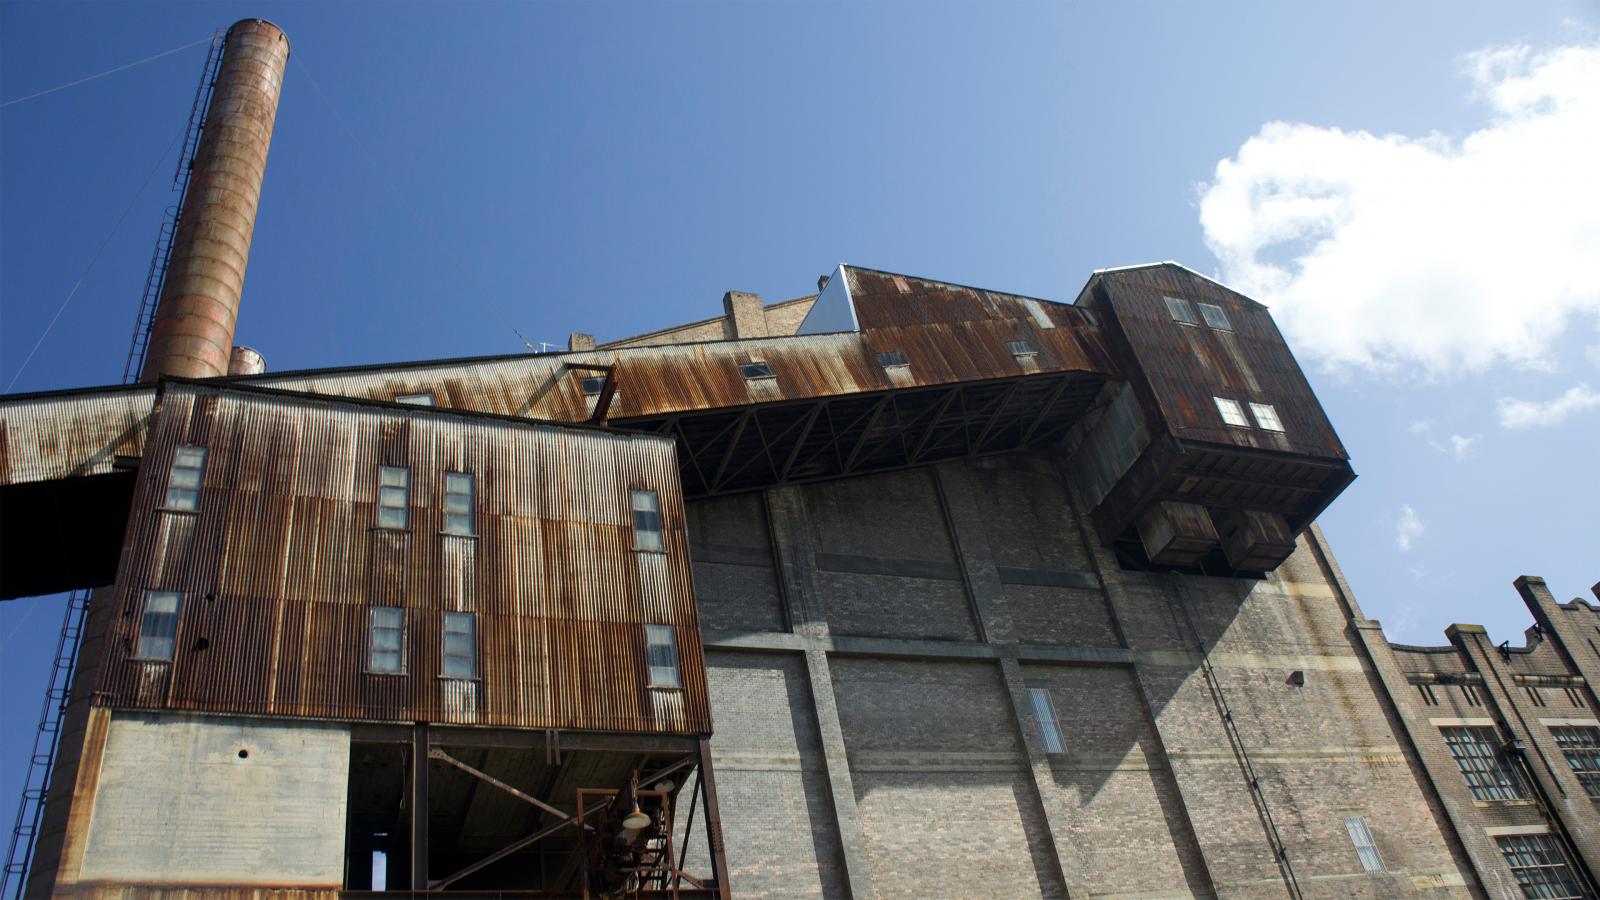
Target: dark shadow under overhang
62	534
746	448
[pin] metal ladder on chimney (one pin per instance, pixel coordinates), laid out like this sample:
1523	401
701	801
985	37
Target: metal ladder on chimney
156	278
30	811
1280	851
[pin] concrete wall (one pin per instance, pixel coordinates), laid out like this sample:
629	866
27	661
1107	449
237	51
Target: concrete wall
872	642
176	803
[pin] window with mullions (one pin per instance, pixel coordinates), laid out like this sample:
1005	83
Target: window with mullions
661	651
1581	745
646	520
1540	867
457	503
755	371
1049	726
158	626
183	484
1021	348
1180	311
1215	317
386	640
1266	417
424	399
1232	414
1366	847
394	496
1477	754
891	358
460	645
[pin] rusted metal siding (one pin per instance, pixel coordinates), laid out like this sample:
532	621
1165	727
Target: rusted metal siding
64	434
283	561
1185	366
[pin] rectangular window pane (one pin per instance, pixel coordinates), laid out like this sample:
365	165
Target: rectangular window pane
457	503
1215	317
1539	866
1581	745
460	645
756	370
661	652
891	358
646	521
1231	413
1266	416
158	627
1045	712
1021	348
387	640
183	482
591	385
1366	848
1488	773
415	399
394	496
1180	311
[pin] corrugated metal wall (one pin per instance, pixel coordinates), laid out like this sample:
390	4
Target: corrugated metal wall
45	436
1187	365
283	560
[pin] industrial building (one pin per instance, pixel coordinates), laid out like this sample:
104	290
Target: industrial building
901	588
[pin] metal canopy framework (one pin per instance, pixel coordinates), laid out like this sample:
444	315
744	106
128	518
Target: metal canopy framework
730	450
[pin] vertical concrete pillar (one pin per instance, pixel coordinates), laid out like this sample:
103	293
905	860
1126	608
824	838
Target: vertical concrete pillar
791	540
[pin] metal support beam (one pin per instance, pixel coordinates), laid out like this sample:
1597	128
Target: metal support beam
866	431
996	416
733	447
805	432
1044	410
719	856
419	806
438	754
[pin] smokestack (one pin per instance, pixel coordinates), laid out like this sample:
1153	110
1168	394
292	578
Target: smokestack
192	335
246	361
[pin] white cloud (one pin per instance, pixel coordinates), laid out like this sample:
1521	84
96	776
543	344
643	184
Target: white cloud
1426	254
1516	413
1409	528
1459	446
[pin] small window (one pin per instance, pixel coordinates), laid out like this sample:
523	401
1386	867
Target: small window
661	648
423	399
457	503
1574	697
755	370
1488	773
183	484
1181	311
158	627
1534	695
1428	696
592	385
1021	348
646	521
1049	728
460	645
1366	848
1471	693
385	653
891	358
1217	319
1539	866
1581	745
394	496
1266	416
1231	413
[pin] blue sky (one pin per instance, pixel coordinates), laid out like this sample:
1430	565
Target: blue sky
1421	216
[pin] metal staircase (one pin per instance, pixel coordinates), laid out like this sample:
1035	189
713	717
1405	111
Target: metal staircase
30	811
156	276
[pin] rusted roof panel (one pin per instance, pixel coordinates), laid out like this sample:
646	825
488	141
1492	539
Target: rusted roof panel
71	433
283	561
